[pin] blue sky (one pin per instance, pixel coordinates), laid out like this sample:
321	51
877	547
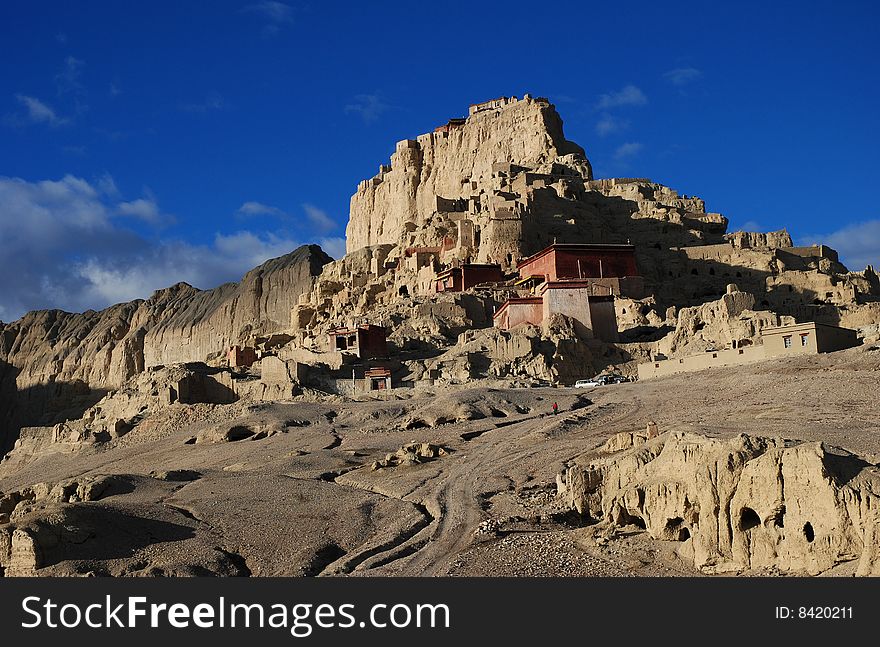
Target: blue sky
142	145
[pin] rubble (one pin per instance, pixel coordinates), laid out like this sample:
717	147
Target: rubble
411	454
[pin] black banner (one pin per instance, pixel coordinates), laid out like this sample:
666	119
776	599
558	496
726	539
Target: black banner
325	611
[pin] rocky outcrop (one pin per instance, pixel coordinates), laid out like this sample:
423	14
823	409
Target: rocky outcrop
554	352
727	322
411	454
213	320
741	503
123	409
454	164
178	324
72	359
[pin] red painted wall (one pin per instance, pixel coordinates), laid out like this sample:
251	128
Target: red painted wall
472	275
442	285
520	312
372	342
563	264
239	356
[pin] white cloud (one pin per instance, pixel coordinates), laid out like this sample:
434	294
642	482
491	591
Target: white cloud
250	249
39	112
627	150
319	218
629	95
608	124
858	244
748	225
107	185
253	208
682	75
159	266
64	244
145	209
369	106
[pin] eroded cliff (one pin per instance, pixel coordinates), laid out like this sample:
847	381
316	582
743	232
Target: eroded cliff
59	360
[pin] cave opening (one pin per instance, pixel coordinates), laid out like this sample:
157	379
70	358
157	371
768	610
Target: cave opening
809	533
748	519
677	530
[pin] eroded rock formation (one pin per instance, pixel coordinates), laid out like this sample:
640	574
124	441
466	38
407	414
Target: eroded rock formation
741	503
439	171
68	361
488	189
730	321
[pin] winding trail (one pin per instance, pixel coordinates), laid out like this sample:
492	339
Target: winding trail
451	500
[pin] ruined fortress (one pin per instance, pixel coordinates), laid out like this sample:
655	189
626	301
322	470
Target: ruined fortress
385	390
484	249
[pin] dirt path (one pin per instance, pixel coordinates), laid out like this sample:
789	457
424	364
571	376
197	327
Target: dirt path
454	497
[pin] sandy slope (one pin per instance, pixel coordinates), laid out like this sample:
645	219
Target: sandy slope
305	500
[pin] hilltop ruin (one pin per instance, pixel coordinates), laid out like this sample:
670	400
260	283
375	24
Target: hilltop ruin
396	411
484	249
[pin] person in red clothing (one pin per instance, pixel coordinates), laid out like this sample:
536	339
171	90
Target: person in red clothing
555	408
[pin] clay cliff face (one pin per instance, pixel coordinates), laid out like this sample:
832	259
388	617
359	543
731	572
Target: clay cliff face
53	358
260	304
457	164
740	503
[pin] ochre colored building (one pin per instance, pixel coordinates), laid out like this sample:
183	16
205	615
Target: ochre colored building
796	339
570	298
807	338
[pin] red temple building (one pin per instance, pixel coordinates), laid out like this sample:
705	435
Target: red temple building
560	262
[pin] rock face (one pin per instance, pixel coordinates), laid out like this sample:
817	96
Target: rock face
728	321
456	163
73	359
505	183
744	503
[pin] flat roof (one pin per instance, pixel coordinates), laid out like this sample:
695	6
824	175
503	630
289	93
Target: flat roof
807	325
576	247
576	284
347	331
518	301
489	101
468	266
530	277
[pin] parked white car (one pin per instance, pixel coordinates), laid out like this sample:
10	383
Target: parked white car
586	384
